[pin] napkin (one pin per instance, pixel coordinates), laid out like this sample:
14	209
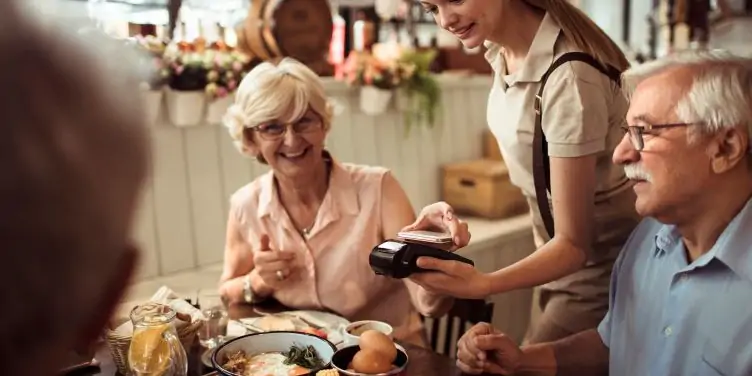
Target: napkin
167	296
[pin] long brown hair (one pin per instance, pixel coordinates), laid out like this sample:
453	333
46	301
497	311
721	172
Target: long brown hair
583	32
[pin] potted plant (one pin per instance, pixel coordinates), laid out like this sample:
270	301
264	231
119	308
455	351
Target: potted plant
156	75
186	99
376	79
227	69
420	93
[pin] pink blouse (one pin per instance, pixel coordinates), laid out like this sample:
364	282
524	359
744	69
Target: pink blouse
334	273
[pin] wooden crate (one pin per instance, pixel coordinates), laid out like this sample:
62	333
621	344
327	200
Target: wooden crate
481	188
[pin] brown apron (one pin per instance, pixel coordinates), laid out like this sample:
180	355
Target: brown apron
579	301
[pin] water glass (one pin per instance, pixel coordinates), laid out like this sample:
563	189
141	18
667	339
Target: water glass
214	317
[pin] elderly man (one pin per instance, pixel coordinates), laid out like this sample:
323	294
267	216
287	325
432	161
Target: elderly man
73	157
681	292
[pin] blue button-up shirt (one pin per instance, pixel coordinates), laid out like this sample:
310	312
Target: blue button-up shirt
670	317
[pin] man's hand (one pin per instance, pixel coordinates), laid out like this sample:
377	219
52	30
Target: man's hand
484	349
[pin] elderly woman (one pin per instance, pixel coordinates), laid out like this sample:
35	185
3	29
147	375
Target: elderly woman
302	232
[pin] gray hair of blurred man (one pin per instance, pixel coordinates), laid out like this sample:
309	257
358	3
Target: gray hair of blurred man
74	157
720	96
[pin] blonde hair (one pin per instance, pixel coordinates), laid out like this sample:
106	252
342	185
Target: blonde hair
282	91
585	34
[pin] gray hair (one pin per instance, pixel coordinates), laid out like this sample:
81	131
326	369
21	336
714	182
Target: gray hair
720	96
276	91
73	156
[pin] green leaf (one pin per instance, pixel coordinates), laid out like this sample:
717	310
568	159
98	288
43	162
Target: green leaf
305	357
422	90
421	59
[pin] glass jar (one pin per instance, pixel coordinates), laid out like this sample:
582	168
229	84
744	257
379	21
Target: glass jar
155	347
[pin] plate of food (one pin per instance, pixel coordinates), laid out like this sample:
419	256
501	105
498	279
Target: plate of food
273	353
323	324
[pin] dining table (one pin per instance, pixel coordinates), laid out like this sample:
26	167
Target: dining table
423	361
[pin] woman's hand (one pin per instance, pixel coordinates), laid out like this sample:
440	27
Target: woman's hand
440	217
271	265
453	278
485	349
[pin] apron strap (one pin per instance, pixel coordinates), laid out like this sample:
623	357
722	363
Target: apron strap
541	170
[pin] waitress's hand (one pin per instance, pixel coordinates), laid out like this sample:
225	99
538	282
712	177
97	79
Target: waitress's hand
440	217
273	266
452	278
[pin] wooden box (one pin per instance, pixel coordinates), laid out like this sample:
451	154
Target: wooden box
482	188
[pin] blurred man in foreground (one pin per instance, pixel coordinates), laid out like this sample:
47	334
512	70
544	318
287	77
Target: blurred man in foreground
681	291
73	157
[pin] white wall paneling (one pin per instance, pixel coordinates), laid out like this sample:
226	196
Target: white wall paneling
607	14
639	27
181	223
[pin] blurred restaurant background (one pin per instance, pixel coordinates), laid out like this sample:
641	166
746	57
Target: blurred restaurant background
428	126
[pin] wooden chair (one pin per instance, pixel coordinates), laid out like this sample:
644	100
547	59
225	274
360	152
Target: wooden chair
463	315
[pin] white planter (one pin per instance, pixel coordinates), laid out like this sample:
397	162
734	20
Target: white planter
185	108
152	102
374	101
216	109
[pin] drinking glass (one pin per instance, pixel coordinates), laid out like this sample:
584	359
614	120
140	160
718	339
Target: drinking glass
214	317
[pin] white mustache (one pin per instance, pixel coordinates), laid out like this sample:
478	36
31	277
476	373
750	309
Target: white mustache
634	171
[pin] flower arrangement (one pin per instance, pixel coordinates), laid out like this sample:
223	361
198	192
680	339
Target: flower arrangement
422	91
377	79
216	70
406	70
363	69
226	72
151	61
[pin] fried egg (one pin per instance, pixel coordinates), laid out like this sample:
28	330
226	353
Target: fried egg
272	364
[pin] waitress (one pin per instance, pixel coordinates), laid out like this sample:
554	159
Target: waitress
582	112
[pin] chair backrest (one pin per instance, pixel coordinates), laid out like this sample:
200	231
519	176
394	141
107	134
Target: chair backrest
464	314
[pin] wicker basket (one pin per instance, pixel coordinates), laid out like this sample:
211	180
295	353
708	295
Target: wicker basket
119	344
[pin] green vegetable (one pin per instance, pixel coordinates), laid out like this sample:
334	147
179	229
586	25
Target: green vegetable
305	357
